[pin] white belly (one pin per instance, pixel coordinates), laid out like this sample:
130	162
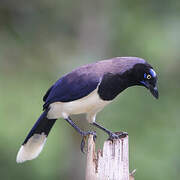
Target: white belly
89	105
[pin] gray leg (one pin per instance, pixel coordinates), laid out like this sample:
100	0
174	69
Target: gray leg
111	134
82	133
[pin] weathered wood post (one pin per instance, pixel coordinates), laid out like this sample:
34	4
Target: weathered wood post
111	163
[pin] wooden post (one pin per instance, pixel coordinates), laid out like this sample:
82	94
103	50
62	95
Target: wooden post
111	163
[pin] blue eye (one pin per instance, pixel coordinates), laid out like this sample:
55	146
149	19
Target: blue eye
147	76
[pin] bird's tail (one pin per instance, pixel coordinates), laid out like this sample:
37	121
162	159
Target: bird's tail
35	140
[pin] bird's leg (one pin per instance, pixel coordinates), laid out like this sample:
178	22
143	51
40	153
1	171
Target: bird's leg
82	133
111	134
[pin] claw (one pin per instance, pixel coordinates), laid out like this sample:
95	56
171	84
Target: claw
94	137
117	135
83	144
85	134
122	134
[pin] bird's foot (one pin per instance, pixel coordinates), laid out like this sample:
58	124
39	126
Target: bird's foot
117	135
84	135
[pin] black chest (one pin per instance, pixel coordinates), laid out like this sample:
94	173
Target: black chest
111	85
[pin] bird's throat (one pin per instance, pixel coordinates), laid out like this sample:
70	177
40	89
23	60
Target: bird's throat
111	86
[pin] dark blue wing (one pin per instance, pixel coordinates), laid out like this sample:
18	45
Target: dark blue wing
70	87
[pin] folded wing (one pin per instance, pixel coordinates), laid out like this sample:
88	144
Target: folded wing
72	86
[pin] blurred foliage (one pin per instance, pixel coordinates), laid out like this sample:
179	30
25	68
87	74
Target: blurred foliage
41	40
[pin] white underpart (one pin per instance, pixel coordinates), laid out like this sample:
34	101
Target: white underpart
89	105
32	148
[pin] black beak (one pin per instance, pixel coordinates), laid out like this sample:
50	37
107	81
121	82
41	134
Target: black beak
154	91
153	88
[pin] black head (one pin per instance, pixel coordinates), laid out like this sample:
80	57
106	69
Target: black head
146	76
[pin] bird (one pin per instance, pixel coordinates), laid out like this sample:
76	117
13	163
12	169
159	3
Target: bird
87	90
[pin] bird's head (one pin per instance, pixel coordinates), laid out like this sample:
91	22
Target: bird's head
147	77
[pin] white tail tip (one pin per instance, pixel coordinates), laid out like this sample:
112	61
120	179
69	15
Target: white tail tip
32	148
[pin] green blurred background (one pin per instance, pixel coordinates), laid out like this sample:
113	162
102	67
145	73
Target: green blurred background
40	40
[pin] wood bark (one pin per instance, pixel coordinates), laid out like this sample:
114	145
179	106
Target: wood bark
110	163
